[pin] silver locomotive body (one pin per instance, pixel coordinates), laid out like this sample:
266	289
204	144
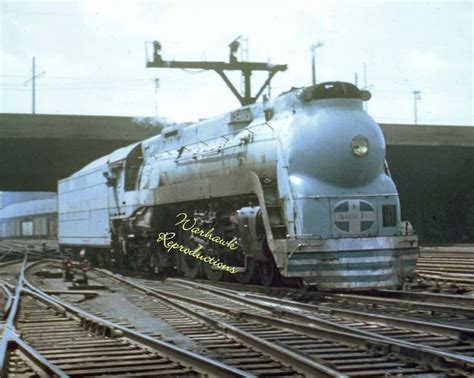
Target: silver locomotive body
300	182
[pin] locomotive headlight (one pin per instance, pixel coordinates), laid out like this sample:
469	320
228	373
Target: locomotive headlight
360	146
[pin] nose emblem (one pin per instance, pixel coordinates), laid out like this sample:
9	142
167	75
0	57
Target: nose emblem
354	216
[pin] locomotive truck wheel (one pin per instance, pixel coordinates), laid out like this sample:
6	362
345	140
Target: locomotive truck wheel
249	276
118	260
131	259
268	273
190	266
164	263
215	274
103	258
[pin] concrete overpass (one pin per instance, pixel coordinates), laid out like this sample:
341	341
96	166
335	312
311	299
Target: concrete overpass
36	150
433	166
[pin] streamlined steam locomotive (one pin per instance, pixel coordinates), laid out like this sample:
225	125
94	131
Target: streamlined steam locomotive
299	183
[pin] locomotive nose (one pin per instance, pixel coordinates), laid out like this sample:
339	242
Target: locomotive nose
336	142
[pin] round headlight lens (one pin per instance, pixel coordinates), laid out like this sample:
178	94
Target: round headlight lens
360	146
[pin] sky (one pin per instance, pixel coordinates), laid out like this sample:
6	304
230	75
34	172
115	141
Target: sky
91	54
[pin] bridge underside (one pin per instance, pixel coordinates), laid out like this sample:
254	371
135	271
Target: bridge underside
37	150
431	165
30	165
436	187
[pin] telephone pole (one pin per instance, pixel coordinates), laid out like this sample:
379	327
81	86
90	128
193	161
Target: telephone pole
313	59
33	85
157	85
366	86
416	97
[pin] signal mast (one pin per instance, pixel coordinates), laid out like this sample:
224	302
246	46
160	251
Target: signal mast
246	68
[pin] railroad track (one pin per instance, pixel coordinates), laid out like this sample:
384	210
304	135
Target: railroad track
429	333
43	336
243	335
427	307
345	346
15	249
344	335
435	308
216	343
449	338
449	264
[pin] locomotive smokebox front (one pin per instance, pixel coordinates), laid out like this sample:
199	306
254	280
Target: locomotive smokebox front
334	141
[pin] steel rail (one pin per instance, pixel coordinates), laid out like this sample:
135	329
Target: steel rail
319	328
19	247
457	278
431	354
416	325
235	353
11	340
8	299
298	295
436	307
453	300
464	270
306	365
205	364
12	262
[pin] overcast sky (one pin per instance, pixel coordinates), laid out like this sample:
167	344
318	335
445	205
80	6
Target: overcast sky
93	54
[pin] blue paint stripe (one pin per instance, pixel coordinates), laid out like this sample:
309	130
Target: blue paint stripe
369	279
336	255
351	266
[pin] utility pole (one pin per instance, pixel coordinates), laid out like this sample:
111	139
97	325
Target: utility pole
366	105
313	59
33	91
157	85
366	86
33	85
416	97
